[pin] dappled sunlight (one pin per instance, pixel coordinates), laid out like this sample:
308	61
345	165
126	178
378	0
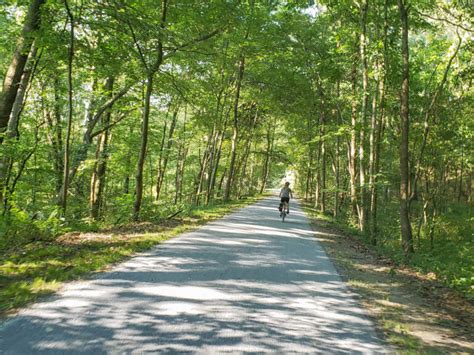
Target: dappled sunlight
245	283
186	292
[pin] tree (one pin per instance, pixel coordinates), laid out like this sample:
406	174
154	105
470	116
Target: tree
404	139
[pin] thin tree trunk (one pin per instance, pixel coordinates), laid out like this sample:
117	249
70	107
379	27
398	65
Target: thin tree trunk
378	132
217	159
405	225
180	165
337	177
372	158
365	102
169	144
164	154
143	149
317	194
461	172
322	125
67	142
246	154
268	155
100	168
352	144
235	129
58	139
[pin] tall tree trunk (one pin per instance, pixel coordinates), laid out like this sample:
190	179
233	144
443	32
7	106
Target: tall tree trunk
12	132
461	172
143	148
14	122
58	139
245	157
268	156
100	168
67	142
378	132
15	79
352	144
363	117
151	71
405	225
317	194
180	165
16	68
337	164
203	163
214	167
235	129
372	157
164	154
322	125
213	178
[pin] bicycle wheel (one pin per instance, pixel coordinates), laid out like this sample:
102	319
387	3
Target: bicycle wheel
283	215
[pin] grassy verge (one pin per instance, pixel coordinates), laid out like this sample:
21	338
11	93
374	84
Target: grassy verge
416	313
39	266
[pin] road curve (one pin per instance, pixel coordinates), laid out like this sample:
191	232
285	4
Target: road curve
244	283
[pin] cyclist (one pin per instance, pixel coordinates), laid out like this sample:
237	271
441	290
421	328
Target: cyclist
285	195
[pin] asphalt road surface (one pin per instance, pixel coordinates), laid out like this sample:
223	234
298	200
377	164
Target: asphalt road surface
247	283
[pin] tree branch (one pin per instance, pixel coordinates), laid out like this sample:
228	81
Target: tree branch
121	117
193	41
109	103
444	20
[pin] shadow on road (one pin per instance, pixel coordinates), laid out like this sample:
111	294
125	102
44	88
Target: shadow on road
244	283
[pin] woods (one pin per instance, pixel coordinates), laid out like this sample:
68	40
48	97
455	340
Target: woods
119	111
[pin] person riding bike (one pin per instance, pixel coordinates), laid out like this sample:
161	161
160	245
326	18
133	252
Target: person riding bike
285	195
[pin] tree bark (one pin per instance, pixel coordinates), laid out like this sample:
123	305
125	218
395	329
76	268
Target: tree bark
235	129
268	156
14	75
143	148
66	159
363	117
407	240
94	116
377	131
16	68
322	125
100	168
164	162
352	144
245	157
337	164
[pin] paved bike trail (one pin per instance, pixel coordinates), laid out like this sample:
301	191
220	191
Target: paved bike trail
244	283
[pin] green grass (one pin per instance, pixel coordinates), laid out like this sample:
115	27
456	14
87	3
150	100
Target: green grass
36	265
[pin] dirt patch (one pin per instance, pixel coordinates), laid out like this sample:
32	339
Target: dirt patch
414	311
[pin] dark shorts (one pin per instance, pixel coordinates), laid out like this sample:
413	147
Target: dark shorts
285	199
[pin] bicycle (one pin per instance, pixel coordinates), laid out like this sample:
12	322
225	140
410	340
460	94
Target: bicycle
284	209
